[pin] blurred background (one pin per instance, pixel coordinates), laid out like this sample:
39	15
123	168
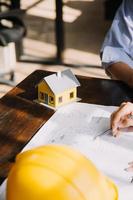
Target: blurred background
58	34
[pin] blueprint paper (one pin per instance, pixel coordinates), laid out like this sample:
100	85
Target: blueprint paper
77	125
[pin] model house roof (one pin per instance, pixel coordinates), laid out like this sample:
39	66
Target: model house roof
62	81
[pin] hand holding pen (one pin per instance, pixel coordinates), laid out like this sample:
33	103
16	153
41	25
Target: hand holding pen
122	118
130	169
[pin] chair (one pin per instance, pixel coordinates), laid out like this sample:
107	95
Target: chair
12	30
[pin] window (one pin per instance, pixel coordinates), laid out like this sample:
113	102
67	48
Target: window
51	100
71	95
60	99
42	95
46	98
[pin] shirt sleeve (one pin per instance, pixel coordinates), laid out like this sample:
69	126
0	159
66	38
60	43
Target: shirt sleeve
118	43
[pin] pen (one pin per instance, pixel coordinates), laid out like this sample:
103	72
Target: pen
103	133
131	179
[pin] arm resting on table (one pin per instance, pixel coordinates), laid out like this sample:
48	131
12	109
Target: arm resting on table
121	71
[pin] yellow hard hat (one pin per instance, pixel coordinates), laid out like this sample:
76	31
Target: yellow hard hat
55	172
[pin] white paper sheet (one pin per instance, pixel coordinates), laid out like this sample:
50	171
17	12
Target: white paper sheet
77	125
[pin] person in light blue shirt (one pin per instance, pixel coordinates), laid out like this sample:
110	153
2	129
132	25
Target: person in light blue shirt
117	49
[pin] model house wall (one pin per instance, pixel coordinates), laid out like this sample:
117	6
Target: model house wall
65	97
45	94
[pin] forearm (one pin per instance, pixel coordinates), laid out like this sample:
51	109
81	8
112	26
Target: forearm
121	71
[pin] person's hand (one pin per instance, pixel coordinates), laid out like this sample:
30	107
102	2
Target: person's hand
130	167
121	118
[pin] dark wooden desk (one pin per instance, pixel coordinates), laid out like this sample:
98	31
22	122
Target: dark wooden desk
20	117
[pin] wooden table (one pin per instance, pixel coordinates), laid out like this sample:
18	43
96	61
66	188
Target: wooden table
20	117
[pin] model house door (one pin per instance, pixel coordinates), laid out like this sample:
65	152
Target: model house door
45	98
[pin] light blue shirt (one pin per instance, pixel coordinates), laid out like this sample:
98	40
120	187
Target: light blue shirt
118	44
